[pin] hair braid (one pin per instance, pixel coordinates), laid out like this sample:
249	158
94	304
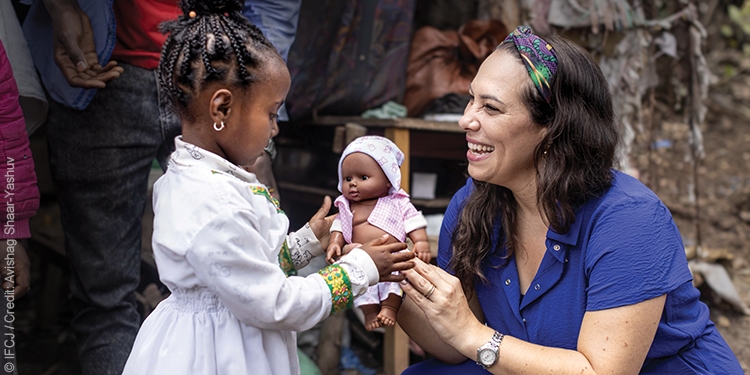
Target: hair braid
219	47
210	72
226	46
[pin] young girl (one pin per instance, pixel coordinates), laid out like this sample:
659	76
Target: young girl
220	240
372	203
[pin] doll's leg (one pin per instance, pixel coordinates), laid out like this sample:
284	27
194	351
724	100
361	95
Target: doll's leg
389	309
371	316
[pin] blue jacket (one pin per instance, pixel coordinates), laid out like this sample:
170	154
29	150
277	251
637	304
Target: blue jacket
276	18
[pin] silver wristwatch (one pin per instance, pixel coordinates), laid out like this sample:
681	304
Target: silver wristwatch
488	353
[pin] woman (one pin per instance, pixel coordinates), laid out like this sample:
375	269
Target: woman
567	265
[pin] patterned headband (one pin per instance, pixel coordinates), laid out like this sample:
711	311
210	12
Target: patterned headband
538	56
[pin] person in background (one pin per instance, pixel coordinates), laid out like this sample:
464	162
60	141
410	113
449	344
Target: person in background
549	260
20	193
104	133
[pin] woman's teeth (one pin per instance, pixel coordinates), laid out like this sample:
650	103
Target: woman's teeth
480	149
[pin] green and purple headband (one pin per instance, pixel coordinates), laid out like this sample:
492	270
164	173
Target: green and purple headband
538	56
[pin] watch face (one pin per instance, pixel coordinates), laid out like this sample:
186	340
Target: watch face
487	357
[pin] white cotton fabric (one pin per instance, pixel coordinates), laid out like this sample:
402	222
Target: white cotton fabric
232	309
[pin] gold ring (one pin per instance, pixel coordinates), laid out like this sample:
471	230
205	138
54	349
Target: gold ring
429	292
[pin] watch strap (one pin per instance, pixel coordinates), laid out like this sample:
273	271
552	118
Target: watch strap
494	345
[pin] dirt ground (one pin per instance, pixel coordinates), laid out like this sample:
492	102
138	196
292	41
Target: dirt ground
723	183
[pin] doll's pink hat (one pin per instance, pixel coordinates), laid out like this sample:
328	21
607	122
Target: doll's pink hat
383	151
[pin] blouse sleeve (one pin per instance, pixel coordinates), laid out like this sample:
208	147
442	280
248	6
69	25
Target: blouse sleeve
303	246
634	254
238	264
450	220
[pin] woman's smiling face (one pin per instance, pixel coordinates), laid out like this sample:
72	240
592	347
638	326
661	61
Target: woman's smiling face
499	130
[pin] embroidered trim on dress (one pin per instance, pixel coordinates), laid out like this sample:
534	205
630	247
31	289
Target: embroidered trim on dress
257	190
285	261
340	286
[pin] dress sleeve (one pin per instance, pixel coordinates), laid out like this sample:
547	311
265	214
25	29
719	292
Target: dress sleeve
635	253
238	263
413	219
303	246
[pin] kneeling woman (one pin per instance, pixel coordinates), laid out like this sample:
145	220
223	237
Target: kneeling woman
556	263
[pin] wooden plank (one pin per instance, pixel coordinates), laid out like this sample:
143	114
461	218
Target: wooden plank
402	139
397	123
396	350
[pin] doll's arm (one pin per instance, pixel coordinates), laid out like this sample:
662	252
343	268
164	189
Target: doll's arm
335	244
421	244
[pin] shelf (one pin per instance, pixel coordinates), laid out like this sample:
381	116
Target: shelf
305	189
398	123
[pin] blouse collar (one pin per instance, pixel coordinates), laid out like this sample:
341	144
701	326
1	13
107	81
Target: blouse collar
187	154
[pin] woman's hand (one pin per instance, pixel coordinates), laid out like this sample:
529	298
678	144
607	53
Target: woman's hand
440	296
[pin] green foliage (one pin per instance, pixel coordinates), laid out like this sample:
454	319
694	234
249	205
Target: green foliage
740	16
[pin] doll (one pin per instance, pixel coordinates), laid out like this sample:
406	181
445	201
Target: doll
372	204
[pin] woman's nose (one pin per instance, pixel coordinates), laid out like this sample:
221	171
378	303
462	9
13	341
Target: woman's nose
274	129
468	121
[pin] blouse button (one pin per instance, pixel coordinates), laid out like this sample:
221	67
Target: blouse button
507	282
536	287
556	247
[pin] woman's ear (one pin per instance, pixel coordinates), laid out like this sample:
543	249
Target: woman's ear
221	105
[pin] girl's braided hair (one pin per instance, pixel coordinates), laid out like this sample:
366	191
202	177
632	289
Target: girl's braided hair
211	41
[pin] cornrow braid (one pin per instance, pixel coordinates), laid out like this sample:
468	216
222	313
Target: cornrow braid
210	42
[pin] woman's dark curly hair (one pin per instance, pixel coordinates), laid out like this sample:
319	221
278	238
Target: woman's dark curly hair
580	149
211	41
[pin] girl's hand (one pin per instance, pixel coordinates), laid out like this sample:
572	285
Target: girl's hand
389	258
320	224
440	296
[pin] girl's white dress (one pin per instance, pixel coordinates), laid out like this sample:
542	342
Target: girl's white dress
221	246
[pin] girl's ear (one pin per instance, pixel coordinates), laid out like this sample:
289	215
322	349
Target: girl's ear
220	105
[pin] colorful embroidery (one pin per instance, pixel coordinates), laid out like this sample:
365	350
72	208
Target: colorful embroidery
538	56
257	190
285	261
341	288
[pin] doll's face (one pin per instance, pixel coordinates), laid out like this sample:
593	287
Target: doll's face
362	178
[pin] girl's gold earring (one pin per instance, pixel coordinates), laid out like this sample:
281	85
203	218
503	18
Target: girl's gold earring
218	128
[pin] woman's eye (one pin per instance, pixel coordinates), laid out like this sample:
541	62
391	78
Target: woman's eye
490	108
274	116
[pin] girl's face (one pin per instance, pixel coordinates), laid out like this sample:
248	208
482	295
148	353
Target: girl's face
362	178
253	121
500	133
